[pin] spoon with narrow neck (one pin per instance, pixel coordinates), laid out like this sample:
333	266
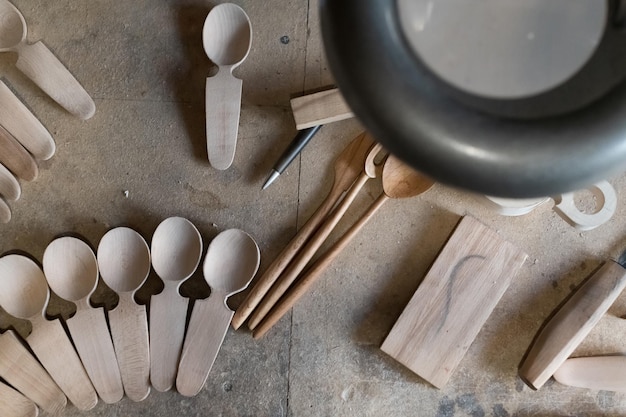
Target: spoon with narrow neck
72	273
176	252
226	37
124	261
231	261
24	294
41	66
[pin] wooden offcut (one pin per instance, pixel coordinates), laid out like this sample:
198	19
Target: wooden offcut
319	109
454	300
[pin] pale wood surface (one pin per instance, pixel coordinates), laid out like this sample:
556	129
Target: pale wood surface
14	404
16	158
347	167
5	212
454	300
24	126
9	186
606	373
20	369
572	323
320	108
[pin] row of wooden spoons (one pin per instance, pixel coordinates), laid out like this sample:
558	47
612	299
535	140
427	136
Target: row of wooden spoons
131	353
23	139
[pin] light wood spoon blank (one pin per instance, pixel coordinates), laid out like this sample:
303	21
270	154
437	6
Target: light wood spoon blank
24	126
124	260
5	212
24	294
72	272
308	250
41	66
606	373
231	261
14	404
16	158
348	166
399	181
176	252
9	187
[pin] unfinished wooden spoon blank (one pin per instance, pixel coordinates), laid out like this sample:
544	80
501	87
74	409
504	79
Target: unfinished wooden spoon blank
454	300
9	187
572	323
16	158
14	404
607	373
5	212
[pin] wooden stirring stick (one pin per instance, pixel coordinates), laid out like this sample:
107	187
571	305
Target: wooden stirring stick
347	168
311	247
399	181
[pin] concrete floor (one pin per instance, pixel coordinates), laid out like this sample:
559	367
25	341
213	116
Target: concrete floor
143	63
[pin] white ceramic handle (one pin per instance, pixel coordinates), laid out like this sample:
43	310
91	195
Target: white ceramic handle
606	201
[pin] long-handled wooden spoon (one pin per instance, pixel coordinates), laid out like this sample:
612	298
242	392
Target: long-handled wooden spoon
399	181
348	166
16	158
231	261
24	293
124	260
368	171
72	272
14	404
41	66
176	252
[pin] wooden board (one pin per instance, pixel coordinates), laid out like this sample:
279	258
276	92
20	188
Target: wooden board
454	300
319	108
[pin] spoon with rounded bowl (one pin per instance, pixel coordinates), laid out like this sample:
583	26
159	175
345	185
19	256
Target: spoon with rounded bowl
124	260
41	66
399	181
24	294
231	261
176	252
226	37
71	269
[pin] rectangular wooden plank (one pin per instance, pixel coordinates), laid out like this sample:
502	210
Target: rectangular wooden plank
454	300
319	108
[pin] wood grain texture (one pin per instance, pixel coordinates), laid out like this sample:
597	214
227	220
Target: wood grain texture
24	126
129	330
347	168
606	373
5	211
20	369
9	187
320	108
44	69
14	404
454	300
16	158
92	339
572	323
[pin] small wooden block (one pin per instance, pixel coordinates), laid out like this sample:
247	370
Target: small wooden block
319	108
456	297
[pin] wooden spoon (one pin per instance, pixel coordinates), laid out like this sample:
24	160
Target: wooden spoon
24	294
23	125
348	166
124	260
226	37
231	261
14	404
16	158
606	373
72	272
41	66
176	252
399	181
5	212
9	187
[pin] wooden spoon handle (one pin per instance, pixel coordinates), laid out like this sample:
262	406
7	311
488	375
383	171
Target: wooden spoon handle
208	325
316	270
92	339
5	212
305	254
168	312
44	69
572	322
21	370
14	404
223	105
271	274
16	158
129	331
606	373
9	187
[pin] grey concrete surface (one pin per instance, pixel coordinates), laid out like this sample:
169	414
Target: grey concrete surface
143	63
